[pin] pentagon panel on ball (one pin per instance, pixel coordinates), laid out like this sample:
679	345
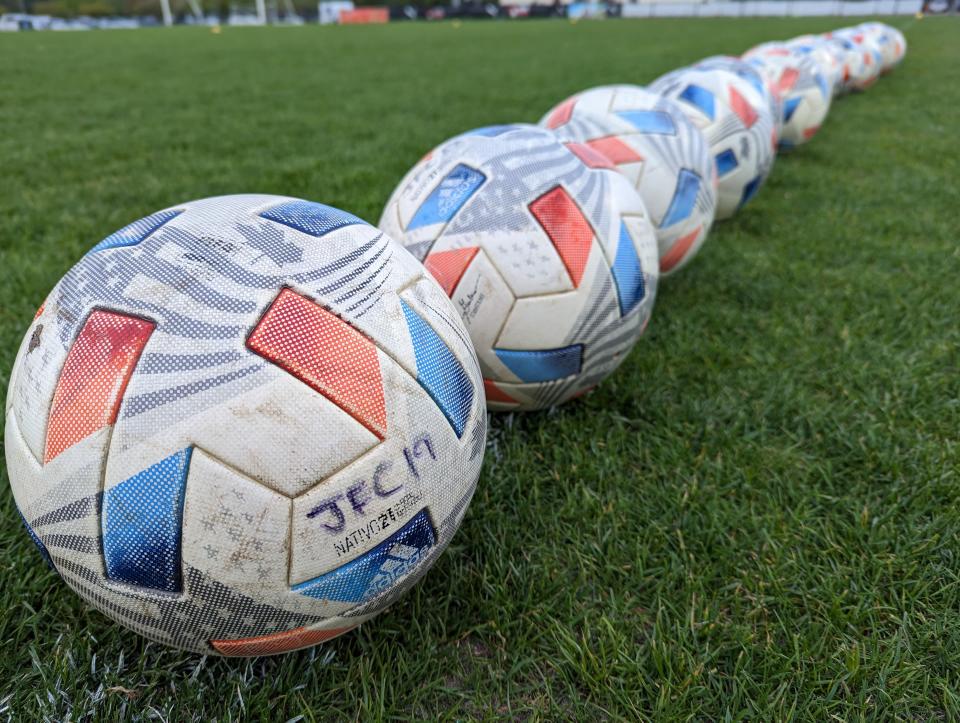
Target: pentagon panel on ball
803	87
551	261
738	124
244	425
649	140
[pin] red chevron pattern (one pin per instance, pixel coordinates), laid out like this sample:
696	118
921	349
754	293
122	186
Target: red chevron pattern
567	228
275	642
616	150
678	250
742	108
788	79
325	352
447	267
590	157
94	378
496	394
561	113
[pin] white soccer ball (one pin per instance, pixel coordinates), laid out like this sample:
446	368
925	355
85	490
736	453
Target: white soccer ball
855	73
829	56
864	73
802	86
752	75
649	140
737	123
899	42
244	425
891	42
552	264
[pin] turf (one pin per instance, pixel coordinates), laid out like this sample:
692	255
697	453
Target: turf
757	517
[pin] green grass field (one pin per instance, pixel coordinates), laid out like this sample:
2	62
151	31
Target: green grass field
755	518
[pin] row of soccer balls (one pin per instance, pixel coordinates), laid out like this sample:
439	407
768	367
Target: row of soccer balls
550	239
247	424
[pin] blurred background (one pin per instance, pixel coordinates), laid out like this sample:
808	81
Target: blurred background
27	15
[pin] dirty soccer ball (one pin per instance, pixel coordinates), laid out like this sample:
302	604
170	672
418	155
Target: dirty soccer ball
656	147
890	41
828	56
738	124
803	87
244	425
754	77
551	262
865	69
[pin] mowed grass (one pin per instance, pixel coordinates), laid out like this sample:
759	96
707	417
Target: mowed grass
755	518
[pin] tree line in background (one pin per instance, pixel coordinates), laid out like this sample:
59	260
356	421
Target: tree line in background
76	8
142	8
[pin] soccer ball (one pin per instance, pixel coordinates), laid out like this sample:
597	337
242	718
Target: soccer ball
856	73
869	50
870	46
753	76
649	140
899	42
551	262
890	40
244	425
802	86
737	123
828	56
